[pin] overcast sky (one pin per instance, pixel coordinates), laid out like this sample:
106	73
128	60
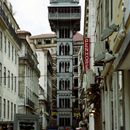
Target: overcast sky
32	15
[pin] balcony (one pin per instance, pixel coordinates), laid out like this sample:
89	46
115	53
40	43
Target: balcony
4	18
42	98
29	103
65	13
64	16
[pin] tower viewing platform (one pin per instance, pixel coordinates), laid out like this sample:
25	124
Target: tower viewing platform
64	12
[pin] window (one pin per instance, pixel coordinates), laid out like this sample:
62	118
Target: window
64	49
61	85
61	49
4	108
9	49
64	67
61	67
67	66
111	10
14	108
0	107
64	84
8	112
8	79
76	82
12	81
76	70
5	43
67	103
12	53
76	61
67	49
4	75
106	13
64	103
64	121
11	111
0	40
64	33
15	57
15	84
61	103
102	18
67	84
67	33
0	73
48	41
39	42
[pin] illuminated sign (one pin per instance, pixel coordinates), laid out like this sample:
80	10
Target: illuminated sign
86	53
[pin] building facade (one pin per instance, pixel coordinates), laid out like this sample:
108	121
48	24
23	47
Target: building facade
76	89
9	49
90	88
46	51
112	41
28	76
64	18
43	108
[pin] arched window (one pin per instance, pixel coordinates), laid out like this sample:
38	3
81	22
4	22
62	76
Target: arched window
68	84
62	67
62	85
62	50
65	84
67	66
67	49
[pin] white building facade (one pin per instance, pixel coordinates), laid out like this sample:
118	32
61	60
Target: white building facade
9	49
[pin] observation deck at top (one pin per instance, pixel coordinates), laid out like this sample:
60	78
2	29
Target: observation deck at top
64	1
64	12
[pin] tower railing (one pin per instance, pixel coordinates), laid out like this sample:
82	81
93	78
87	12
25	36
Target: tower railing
71	1
64	16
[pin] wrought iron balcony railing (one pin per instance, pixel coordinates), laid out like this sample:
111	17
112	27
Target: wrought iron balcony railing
29	103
